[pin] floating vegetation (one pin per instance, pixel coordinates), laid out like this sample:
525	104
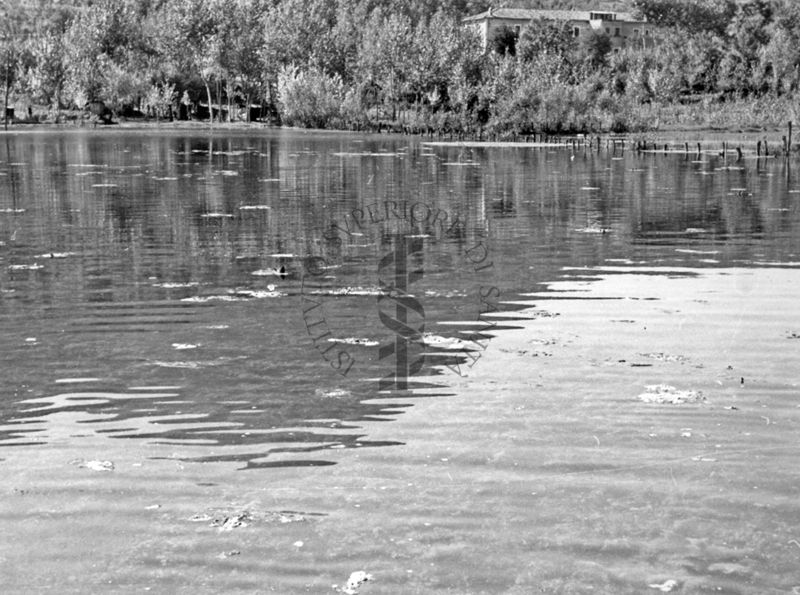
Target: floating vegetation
666	357
664	587
663	393
445	294
691	251
449	343
93	465
277	272
25	267
593	228
369	154
336	393
361	291
154	388
187	365
213	298
176	285
227	519
237	295
55	255
270	292
356	341
353	584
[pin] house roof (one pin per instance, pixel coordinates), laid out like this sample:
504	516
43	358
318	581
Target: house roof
527	14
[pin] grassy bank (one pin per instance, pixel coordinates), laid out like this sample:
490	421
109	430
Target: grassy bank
735	121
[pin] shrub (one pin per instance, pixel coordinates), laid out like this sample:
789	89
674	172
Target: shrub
310	98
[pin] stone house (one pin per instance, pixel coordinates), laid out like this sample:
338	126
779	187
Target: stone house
621	27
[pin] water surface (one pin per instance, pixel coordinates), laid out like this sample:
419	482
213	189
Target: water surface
217	306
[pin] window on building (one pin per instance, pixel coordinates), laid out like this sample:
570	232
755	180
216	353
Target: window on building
636	33
608	31
517	29
647	31
616	32
576	32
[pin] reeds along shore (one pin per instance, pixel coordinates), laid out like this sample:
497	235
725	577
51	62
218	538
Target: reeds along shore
763	147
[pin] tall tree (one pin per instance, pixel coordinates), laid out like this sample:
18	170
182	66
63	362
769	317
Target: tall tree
186	38
385	56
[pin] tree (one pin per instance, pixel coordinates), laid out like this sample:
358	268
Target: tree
9	56
466	78
748	32
385	56
44	71
779	59
545	37
13	32
594	49
185	32
711	16
105	54
242	37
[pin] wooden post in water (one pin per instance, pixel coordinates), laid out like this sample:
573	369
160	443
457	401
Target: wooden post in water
686	148
666	146
766	149
698	149
789	148
724	149
758	148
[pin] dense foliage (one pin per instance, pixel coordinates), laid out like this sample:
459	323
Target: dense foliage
410	63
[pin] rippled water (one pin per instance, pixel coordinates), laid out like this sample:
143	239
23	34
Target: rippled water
264	300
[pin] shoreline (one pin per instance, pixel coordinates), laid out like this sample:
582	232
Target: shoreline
672	135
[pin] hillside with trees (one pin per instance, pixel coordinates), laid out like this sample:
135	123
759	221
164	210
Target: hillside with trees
401	63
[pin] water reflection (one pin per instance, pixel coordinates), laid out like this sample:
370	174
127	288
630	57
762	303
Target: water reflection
258	277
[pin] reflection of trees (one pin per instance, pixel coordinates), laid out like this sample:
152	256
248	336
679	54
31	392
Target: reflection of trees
139	197
140	210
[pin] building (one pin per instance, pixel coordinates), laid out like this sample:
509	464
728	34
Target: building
621	27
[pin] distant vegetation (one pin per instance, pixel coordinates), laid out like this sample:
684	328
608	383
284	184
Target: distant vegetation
404	64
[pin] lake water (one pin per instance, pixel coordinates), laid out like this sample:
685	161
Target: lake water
311	354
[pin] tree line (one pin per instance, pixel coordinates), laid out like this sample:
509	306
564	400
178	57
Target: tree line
399	63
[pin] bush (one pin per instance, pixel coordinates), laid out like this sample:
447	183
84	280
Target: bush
310	98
